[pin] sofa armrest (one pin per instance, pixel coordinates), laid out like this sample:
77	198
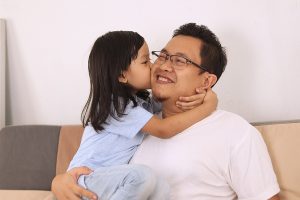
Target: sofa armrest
69	141
283	141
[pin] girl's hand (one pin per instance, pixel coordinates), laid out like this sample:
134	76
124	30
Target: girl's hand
202	96
65	187
190	102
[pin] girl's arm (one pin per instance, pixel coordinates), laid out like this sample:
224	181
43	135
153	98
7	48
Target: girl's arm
170	126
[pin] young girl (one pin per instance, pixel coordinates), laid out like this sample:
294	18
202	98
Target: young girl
116	116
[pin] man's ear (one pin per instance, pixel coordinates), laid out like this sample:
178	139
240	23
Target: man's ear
123	78
209	80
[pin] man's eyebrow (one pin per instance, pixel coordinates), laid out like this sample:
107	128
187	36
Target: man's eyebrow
181	54
164	50
177	53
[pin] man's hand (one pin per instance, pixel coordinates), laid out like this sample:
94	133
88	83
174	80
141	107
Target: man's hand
77	171
65	187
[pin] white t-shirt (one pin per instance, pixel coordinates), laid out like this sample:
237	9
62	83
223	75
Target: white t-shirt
221	157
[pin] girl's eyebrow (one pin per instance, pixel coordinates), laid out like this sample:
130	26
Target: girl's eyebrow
146	55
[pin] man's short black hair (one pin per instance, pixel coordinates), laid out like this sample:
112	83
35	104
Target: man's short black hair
212	53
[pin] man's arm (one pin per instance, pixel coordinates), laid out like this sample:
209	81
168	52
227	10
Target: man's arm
251	165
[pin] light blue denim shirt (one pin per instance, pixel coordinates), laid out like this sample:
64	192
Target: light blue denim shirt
116	144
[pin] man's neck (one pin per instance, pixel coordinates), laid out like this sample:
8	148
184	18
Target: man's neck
169	109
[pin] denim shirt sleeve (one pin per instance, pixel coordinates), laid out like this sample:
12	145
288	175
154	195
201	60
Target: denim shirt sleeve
129	124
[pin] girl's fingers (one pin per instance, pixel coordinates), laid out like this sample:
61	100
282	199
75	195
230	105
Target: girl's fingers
192	98
200	94
186	108
189	105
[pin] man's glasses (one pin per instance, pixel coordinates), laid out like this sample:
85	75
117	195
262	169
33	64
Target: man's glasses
177	61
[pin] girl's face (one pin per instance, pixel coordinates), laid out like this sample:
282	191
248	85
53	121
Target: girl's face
138	73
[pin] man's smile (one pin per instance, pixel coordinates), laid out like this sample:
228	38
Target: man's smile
163	79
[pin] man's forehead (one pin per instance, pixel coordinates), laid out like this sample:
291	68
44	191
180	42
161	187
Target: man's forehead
183	45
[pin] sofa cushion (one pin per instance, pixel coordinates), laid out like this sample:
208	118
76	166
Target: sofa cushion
283	141
28	156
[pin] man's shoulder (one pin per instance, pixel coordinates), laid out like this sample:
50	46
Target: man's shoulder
223	121
226	117
234	124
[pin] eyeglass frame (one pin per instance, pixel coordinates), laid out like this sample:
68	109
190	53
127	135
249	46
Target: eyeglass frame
169	57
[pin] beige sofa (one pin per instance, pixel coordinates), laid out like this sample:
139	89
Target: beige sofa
30	156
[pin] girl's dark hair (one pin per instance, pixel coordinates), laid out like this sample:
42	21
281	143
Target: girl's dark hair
212	53
111	54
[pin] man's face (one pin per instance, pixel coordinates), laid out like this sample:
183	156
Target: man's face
167	81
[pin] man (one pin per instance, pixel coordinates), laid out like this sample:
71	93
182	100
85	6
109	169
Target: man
221	157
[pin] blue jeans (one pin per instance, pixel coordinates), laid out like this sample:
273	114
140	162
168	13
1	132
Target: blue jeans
126	182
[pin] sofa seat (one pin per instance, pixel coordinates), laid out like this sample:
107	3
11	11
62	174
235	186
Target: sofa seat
30	157
26	195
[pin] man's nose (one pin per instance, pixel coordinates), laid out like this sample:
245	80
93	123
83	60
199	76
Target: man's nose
167	66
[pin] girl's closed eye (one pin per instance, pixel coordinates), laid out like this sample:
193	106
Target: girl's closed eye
146	61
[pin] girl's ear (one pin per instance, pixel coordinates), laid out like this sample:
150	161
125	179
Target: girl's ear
122	78
209	80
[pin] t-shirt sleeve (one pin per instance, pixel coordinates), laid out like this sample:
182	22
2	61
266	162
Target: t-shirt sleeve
251	173
129	124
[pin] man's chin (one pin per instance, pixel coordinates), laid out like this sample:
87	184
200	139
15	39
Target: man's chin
162	92
159	97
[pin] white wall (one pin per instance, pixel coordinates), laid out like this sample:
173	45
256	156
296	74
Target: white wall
49	42
2	72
